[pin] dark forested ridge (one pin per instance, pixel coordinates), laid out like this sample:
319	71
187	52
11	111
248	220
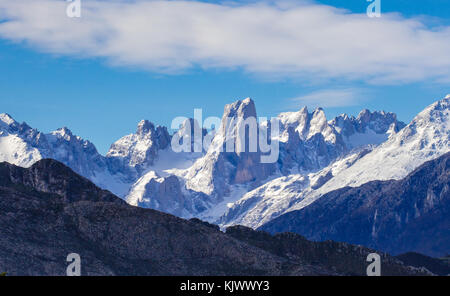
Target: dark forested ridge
48	212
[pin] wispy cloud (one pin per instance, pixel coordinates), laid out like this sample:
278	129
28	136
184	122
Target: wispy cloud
306	40
331	98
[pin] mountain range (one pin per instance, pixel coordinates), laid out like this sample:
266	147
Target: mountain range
425	138
308	143
316	156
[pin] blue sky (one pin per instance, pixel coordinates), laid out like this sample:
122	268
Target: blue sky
101	92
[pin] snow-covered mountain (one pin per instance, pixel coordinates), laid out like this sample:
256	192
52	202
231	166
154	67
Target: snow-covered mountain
138	151
19	143
394	216
161	186
23	146
214	179
220	179
309	142
316	155
424	139
219	168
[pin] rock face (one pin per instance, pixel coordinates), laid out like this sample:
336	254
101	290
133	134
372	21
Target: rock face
310	142
45	217
139	150
411	214
163	193
225	162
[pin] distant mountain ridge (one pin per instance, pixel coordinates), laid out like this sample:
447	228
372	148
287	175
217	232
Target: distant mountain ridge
316	156
142	169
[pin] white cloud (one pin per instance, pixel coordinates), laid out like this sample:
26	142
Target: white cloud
331	98
307	40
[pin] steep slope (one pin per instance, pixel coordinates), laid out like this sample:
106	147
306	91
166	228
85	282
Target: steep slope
18	142
425	138
411	214
39	229
160	186
276	196
219	168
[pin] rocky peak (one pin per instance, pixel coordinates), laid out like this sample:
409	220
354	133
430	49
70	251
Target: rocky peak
248	163
141	149
8	124
318	122
7	119
294	121
63	132
238	111
193	133
219	167
378	121
245	108
364	115
429	130
145	128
